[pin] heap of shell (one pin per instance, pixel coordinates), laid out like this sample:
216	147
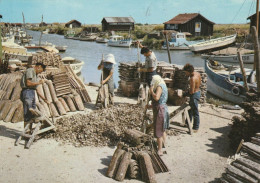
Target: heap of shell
104	127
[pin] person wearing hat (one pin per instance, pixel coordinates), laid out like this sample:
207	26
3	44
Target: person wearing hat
107	65
150	63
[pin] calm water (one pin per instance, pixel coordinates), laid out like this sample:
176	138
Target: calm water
91	54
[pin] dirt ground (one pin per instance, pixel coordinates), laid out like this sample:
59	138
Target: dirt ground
196	158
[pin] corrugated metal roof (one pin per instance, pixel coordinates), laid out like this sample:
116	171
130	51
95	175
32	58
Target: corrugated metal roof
119	19
184	18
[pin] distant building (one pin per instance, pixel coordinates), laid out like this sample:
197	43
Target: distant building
252	19
73	24
117	24
194	23
43	24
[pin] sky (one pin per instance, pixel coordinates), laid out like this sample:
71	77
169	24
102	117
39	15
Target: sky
143	11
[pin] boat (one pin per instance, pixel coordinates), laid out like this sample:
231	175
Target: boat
119	41
247	58
101	40
70	34
75	64
178	42
213	44
61	48
226	82
46	31
90	37
16	51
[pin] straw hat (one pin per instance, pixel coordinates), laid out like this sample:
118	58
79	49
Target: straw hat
110	58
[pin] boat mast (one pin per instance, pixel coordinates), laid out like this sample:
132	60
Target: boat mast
41	32
24	28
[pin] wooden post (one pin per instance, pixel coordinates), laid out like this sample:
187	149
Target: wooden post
242	70
0	44
257	57
257	17
168	49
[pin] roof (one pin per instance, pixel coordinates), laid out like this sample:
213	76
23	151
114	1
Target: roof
184	18
118	19
72	21
251	16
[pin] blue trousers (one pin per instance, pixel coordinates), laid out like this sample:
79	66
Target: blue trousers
194	110
28	99
149	77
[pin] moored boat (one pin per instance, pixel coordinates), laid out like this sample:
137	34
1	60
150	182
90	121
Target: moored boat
61	48
213	44
101	40
227	83
178	42
119	41
247	58
75	64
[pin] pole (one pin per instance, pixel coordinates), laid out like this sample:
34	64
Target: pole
257	56
242	70
40	40
168	49
1	44
257	17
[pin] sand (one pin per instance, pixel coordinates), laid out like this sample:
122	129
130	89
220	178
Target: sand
201	157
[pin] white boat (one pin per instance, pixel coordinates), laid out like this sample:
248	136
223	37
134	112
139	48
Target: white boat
61	48
213	44
101	40
75	64
46	31
16	51
119	41
247	58
178	42
227	83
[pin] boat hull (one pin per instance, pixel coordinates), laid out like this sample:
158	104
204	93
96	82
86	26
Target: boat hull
119	43
219	86
212	45
247	59
176	48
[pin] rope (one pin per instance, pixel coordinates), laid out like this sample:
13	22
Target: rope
238	12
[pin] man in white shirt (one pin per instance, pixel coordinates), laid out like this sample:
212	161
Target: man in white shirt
150	63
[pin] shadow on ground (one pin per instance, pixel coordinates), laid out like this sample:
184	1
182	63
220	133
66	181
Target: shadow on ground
220	144
105	161
8	132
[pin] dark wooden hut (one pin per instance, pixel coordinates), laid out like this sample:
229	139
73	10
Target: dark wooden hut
73	24
43	24
117	24
252	19
194	23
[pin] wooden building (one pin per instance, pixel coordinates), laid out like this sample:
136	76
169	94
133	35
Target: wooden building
73	24
252	19
43	24
117	24
194	23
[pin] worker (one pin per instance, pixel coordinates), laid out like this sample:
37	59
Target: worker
159	95
150	63
107	65
194	94
29	82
